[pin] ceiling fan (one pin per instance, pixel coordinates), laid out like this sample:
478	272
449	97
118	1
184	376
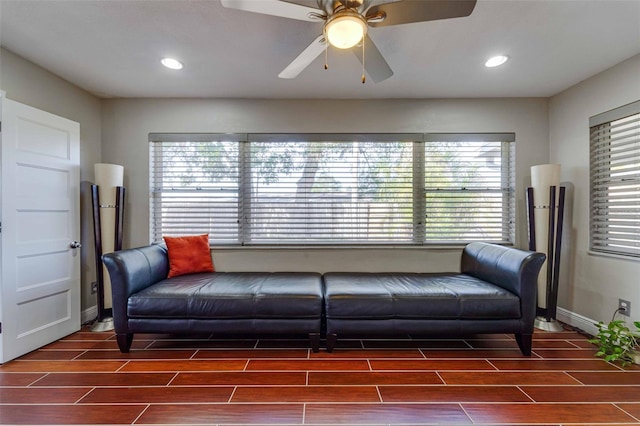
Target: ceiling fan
346	23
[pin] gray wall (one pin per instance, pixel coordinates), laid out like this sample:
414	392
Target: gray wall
127	123
595	282
32	85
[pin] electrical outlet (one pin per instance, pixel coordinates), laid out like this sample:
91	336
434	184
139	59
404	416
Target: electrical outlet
94	287
624	307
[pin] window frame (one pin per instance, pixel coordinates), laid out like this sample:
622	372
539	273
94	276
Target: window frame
418	141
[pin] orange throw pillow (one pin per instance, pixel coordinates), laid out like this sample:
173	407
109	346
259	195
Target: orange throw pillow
189	255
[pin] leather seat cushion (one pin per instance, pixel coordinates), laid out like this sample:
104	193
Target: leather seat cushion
231	295
416	296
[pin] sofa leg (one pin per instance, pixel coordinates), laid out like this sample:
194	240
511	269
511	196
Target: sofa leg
314	339
524	343
331	342
124	341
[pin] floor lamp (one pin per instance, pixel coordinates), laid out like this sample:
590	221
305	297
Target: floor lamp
545	206
107	197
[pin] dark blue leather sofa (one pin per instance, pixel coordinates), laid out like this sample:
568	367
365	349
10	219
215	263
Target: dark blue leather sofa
494	292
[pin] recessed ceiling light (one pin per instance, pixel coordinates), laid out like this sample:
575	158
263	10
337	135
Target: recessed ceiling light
174	64
496	61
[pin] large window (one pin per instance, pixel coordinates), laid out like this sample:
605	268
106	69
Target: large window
333	189
615	181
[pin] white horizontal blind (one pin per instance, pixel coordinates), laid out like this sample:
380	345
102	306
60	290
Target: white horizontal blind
194	189
468	191
615	181
330	192
333	189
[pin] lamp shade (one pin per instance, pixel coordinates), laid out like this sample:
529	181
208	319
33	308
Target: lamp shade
107	178
345	30
543	177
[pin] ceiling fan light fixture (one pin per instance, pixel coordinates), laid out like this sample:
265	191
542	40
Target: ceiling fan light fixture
345	29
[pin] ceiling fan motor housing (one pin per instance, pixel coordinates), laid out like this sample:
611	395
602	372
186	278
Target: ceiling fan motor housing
333	6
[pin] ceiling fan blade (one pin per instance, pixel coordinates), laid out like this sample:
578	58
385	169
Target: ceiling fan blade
304	59
274	8
374	3
374	63
408	11
307	3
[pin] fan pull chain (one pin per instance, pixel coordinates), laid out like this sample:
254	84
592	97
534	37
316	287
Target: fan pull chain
363	77
326	49
326	56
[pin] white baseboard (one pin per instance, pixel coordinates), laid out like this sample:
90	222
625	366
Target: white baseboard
89	314
583	323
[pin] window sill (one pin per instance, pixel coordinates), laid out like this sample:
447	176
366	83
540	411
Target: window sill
327	247
456	247
614	256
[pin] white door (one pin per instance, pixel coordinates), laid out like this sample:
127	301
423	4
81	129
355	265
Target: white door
40	205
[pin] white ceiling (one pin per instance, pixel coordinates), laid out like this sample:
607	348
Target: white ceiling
112	48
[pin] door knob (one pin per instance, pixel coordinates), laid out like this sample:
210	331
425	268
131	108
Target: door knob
75	245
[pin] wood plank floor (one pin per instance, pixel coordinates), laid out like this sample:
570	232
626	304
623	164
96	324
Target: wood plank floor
411	380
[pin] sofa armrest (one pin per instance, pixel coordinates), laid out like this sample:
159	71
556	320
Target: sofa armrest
510	268
131	271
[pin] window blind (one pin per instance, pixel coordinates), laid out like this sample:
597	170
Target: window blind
468	190
333	189
330	192
194	188
615	181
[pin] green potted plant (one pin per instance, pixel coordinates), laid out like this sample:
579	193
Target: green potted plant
617	342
